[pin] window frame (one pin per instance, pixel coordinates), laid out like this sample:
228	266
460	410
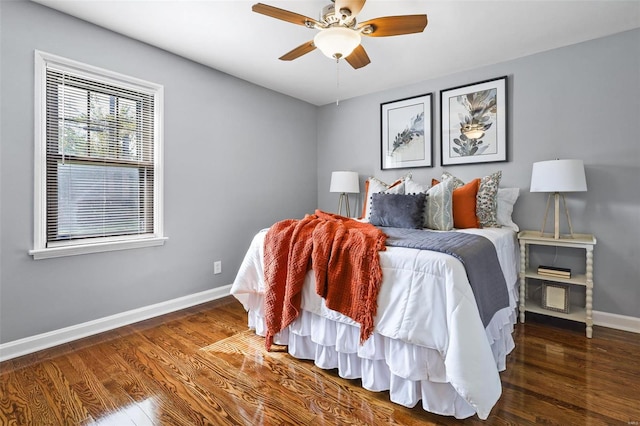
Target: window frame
90	245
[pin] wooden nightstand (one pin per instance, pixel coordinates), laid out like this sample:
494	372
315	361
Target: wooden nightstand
579	241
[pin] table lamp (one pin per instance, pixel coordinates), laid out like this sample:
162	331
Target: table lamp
344	183
558	177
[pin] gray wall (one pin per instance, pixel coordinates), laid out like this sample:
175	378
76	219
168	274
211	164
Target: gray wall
581	101
229	147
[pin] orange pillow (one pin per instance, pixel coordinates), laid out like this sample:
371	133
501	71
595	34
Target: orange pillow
464	204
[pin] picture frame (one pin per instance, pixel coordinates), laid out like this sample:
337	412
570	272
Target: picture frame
555	297
474	123
406	130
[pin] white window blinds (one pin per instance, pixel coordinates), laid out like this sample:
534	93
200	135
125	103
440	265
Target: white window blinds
100	157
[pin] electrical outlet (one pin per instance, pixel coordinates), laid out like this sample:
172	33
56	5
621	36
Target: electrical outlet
217	267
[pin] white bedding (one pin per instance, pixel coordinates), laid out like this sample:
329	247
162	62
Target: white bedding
429	343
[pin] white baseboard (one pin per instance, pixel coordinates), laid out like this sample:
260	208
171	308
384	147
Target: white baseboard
619	322
49	339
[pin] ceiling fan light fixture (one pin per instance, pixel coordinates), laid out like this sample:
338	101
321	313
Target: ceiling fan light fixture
337	42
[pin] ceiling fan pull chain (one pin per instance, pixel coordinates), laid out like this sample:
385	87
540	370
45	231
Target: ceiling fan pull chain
337	81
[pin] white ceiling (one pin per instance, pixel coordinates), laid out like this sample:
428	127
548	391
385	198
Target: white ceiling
228	36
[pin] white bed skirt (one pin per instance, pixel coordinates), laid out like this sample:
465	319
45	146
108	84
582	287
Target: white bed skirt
409	372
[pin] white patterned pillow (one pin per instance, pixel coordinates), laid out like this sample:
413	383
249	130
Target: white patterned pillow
487	198
438	213
413	187
373	186
506	199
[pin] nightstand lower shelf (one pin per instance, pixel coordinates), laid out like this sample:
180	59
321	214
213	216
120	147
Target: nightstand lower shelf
577	313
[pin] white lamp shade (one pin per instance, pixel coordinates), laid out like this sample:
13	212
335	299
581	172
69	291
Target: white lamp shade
337	42
345	182
558	176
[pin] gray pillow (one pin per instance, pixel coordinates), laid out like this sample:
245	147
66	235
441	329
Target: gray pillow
398	210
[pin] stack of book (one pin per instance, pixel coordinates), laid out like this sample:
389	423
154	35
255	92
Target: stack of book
554	271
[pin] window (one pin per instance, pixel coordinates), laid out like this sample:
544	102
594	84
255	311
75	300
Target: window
98	168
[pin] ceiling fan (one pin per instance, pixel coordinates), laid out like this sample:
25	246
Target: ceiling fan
340	34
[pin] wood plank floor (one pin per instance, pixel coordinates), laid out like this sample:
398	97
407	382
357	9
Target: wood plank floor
202	366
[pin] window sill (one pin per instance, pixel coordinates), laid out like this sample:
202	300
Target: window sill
47	253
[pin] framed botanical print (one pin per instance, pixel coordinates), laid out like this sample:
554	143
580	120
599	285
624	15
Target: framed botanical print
474	123
406	133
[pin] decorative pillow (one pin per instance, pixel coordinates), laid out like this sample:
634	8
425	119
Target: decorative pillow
486	199
374	185
438	213
398	210
413	187
506	199
464	205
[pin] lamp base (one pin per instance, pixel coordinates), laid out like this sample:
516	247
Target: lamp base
344	197
556	227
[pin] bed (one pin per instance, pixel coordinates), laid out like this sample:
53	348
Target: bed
429	343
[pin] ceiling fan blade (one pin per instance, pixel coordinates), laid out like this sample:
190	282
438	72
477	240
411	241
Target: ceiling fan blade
303	49
395	25
282	14
355	6
358	58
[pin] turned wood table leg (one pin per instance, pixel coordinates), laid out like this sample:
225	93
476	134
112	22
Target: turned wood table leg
524	263
589	296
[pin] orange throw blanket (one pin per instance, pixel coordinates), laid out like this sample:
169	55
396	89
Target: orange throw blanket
344	256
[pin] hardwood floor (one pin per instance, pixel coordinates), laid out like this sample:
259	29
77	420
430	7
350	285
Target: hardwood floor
202	366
